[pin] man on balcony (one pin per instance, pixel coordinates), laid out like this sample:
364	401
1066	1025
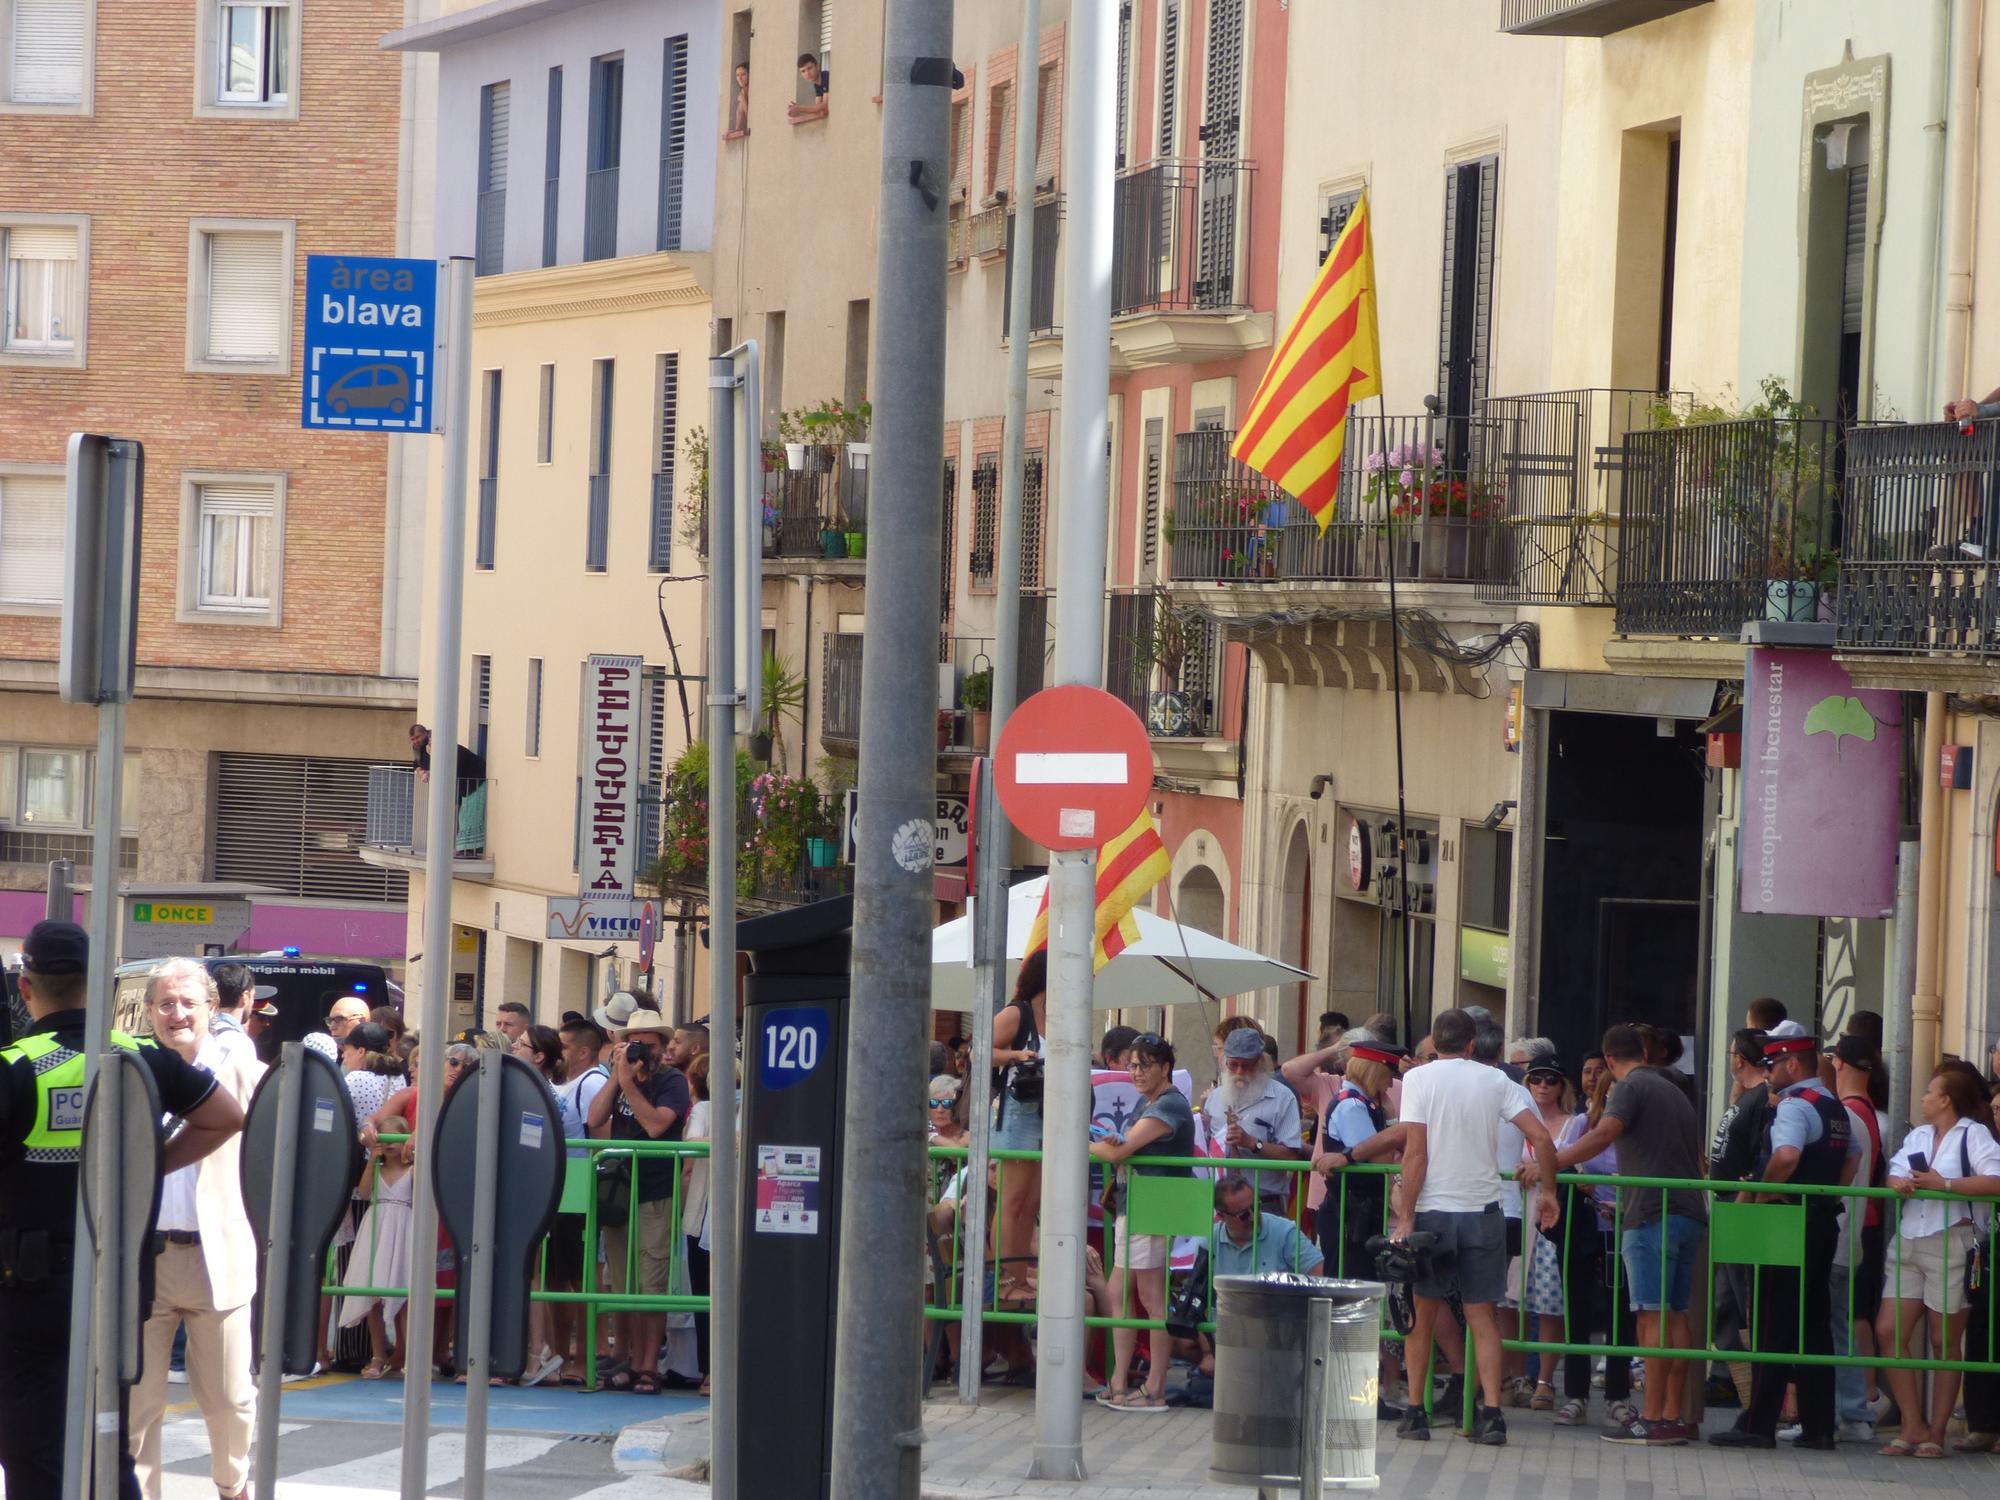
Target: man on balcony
471	764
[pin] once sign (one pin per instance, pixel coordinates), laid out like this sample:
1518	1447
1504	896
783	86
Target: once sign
373	342
156	928
1073	767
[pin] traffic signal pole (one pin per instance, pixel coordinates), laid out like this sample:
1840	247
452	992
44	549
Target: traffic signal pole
878	1387
1080	574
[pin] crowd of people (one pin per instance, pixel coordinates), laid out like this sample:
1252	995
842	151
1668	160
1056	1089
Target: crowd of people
1477	1130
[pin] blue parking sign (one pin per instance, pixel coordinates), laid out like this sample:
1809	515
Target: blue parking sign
373	343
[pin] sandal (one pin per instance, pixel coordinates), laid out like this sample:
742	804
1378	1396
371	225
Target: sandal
1929	1450
1570	1413
375	1369
621	1381
1976	1442
1109	1397
1138	1401
1544	1398
1896	1448
646	1385
1518	1391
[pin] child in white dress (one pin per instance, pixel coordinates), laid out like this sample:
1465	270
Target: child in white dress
381	1255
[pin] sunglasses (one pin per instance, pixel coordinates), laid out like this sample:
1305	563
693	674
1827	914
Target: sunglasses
942	1103
1240	1215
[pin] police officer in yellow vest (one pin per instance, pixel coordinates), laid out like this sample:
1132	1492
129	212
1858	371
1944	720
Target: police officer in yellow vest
41	1138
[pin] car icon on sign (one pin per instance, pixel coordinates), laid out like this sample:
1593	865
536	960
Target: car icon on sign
376	387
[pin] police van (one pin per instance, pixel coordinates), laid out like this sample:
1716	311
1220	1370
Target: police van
303	989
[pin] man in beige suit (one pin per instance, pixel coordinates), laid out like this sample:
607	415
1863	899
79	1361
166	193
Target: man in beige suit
205	1268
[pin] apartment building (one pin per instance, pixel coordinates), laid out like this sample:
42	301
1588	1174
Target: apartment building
576	165
164	170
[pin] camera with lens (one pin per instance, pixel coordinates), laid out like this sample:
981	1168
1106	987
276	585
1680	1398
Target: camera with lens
642	1054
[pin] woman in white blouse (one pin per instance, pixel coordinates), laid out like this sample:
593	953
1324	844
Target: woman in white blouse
1952	1152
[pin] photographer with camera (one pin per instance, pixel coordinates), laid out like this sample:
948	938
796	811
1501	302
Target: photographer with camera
1018	1051
648	1101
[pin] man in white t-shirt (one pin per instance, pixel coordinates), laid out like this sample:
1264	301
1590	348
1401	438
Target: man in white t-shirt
1453	1110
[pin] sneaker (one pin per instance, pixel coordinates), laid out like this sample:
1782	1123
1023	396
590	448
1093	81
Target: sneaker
1415	1426
1856	1432
1635	1433
1571	1414
177	1376
1669	1434
1489	1428
1792	1433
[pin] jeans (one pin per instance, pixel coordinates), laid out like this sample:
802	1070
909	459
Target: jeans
1850	1382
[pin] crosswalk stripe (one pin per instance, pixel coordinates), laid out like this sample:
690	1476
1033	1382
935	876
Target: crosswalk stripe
186	1440
383	1471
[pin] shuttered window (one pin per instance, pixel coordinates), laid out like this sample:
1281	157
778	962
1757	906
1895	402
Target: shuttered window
999	139
1170	74
1222	106
545	417
296	824
1153	477
237	527
551	167
597	517
961	148
1339	209
673	140
42	287
496	112
482	703
45	52
31	539
653	688
661	529
534	725
947	555
246	295
1465	323
826	34
1854	262
1124	117
1048	131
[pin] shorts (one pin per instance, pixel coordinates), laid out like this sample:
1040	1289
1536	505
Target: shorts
564	1265
1019	1126
657	1231
1641	1250
1148	1252
1931	1267
1470	1259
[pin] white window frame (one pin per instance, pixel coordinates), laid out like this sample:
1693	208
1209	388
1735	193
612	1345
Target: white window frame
189	608
11	470
210	102
14	769
51	359
86	101
84	779
199	360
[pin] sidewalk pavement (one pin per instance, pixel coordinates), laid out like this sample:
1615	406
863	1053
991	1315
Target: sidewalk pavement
979	1453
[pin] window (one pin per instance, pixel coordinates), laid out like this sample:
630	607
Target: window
999	139
496	109
607	114
232	548
240	296
52	788
545	425
552	168
43	260
854	379
45	54
1170	76
297	824
673	140
534	707
660	547
597	521
31	540
1465	317
1048	133
815	41
482	703
254	61
489	470
985	520
1339	209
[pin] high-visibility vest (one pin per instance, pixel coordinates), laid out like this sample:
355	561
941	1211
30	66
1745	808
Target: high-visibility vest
57	1134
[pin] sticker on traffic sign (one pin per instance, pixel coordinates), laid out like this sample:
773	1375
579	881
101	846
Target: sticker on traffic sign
373	342
1073	767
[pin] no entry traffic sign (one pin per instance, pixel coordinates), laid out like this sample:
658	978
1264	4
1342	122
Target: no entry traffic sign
1073	767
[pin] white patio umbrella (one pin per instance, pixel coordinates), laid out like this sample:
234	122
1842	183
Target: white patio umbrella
1169	964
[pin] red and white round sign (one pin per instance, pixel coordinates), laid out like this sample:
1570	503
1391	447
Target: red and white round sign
1073	767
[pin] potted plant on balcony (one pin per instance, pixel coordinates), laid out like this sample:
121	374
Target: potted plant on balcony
784	813
855	531
691	514
947	721
784	694
1167	651
794	439
976	693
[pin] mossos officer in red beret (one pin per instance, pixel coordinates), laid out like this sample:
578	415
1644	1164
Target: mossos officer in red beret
41	1147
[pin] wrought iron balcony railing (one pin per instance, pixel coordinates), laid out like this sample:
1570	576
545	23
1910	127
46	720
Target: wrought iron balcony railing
398	812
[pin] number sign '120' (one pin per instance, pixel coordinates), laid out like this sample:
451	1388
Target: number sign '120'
796	1039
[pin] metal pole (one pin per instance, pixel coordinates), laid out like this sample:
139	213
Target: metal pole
722	381
61	902
1312	1399
108	1430
434	994
878	1387
1523	951
1080	574
1405	932
478	1322
96	1037
277	1267
1902	984
995	834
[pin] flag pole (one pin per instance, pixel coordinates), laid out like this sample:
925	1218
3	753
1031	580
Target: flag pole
1404	937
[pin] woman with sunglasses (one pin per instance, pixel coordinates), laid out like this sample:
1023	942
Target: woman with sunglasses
1164	1127
1555	1102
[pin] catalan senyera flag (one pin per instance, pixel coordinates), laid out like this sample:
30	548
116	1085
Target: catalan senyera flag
1331	358
1128	867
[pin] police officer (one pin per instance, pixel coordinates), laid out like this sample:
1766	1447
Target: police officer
41	1138
1807	1141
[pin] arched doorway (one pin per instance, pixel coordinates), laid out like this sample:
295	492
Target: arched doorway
1199	903
1294	1026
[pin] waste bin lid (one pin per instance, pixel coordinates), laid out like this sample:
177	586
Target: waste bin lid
1292	1284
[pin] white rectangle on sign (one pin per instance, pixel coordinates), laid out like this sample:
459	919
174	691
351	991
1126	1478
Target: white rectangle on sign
531	1131
612	766
323	1116
1076	823
1071	768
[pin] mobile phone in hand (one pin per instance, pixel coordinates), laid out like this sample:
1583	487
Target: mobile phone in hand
1918	1163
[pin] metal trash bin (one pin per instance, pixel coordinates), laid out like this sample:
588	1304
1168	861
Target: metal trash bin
1296	1379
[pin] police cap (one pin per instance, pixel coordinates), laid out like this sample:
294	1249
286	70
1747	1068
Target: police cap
55	948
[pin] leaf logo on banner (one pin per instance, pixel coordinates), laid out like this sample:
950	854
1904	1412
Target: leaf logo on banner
1840	716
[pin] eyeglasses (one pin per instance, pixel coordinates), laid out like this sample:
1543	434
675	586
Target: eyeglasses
1238	1215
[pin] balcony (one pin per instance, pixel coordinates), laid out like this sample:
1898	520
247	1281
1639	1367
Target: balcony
1562	462
1413	497
398	824
1164	662
959	657
1917	572
600	214
772	873
1585	17
1046	229
1724	523
816	517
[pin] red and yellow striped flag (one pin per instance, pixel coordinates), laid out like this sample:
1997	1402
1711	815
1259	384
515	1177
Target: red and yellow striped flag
1330	359
1128	867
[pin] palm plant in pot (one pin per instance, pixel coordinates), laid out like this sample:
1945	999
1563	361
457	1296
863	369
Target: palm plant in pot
1166	649
976	693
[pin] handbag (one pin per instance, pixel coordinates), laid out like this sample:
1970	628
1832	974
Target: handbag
614	1191
1192	1302
1975	1278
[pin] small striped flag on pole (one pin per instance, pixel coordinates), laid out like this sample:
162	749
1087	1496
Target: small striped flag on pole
1128	867
1331	358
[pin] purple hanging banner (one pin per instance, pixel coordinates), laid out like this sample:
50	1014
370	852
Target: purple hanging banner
1822	760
